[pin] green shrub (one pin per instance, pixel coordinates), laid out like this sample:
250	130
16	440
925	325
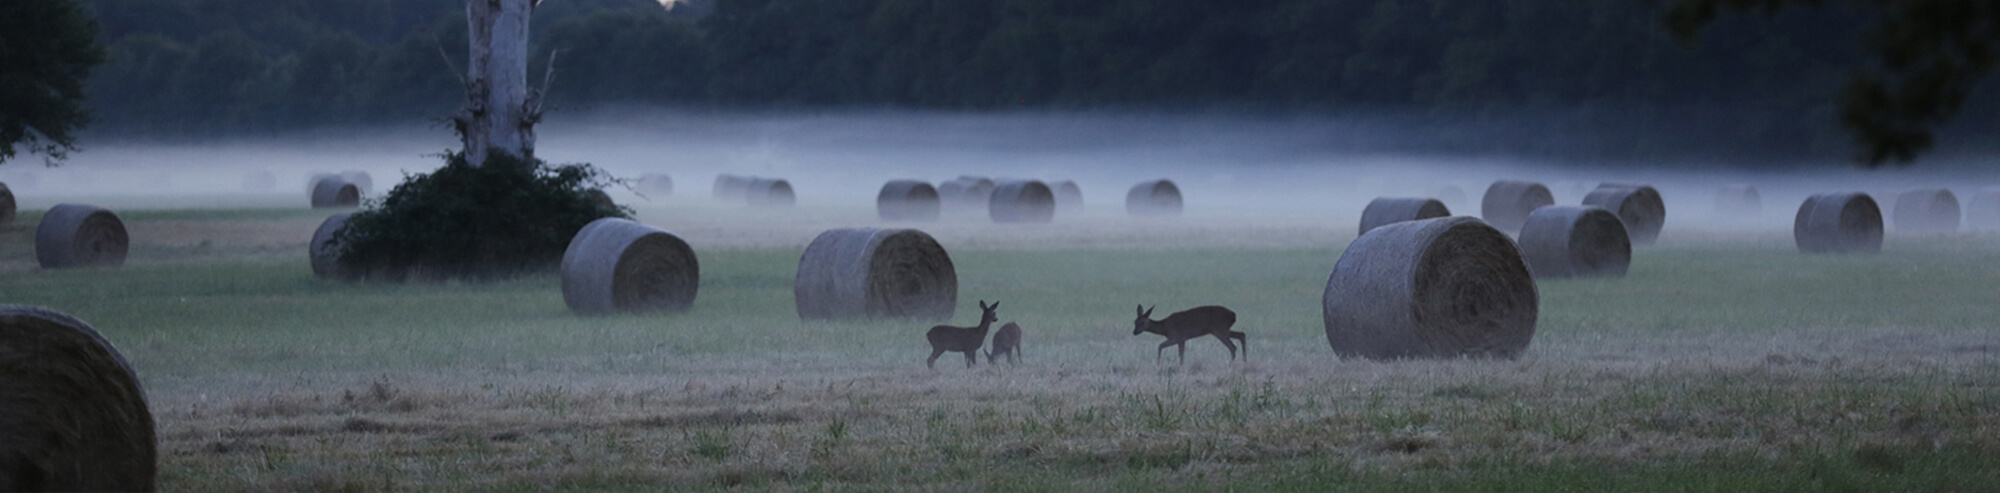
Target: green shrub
507	218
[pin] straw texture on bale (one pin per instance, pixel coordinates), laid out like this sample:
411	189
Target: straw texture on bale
1738	200
72	414
1153	198
1575	241
1928	210
7	205
1640	206
658	184
1507	203
1844	222
1435	288
875	273
1982	213
362	182
1069	197
334	192
616	265
768	192
731	188
76	235
907	200
1026	201
1387	210
325	251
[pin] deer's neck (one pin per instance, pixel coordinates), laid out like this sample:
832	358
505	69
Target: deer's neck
983	325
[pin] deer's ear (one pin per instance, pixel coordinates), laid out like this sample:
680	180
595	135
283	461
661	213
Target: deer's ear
996	306
1141	310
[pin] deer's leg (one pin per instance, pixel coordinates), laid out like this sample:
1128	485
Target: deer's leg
1224	337
1183	346
971	357
1243	339
932	363
1163	348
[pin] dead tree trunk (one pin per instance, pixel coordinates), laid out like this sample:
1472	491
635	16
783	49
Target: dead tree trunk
500	110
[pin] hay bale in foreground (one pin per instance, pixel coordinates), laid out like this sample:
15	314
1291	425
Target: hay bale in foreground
1025	201
1507	204
1738	201
362	182
1575	241
731	188
1069	197
656	183
1387	210
907	200
769	192
1844	222
1639	206
617	265
77	235
875	273
1434	288
1153	198
72	414
325	251
7	205
335	192
1982	213
1928	210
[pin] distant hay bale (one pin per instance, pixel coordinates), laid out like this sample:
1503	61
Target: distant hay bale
260	181
1507	203
907	200
1982	213
617	265
362	182
1435	288
1025	201
602	201
1844	222
1639	206
875	273
1450	195
656	184
325	251
1069	197
1575	241
966	195
76	235
7	205
1153	198
73	416
335	192
1738	201
1929	210
731	188
1386	210
769	192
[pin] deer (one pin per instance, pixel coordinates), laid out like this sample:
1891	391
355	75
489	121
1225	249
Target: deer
947	338
1191	323
1006	342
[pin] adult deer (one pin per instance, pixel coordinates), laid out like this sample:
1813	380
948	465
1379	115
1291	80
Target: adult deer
1194	322
961	339
1006	342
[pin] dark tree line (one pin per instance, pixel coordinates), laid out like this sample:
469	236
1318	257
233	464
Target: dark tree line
198	67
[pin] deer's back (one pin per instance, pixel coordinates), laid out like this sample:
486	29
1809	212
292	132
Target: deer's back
952	338
1201	319
1008	336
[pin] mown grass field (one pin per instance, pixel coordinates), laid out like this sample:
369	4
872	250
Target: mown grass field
1724	361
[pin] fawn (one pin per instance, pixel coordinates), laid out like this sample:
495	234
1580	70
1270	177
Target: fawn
961	339
1006	342
1191	323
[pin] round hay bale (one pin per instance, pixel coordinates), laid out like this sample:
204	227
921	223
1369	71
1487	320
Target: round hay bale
1844	222
907	200
1982	213
7	205
731	188
1386	210
616	265
260	181
72	414
1435	288
362	182
768	192
1069	197
334	192
1450	195
1575	241
602	201
1738	200
1929	210
325	250
1507	203
966	195
76	235
875	273
313	181
1153	198
1639	206
1026	201
656	183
